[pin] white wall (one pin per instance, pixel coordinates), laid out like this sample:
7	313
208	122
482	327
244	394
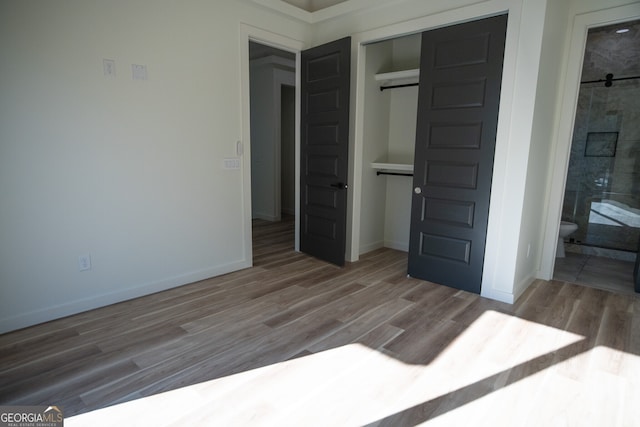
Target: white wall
262	142
403	115
372	193
402	136
544	122
131	171
127	171
268	75
389	126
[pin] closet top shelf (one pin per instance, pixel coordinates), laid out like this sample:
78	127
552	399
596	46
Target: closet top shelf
398	75
396	167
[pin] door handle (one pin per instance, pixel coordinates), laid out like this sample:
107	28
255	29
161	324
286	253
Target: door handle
417	190
340	185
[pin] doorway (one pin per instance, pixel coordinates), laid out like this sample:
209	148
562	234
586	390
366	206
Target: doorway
602	193
272	93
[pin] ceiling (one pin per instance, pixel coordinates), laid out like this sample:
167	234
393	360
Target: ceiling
313	5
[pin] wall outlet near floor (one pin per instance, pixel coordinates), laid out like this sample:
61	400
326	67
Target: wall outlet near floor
84	262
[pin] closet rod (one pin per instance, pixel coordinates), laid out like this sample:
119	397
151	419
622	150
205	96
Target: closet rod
396	86
393	173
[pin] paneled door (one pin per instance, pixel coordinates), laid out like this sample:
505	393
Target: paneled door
324	150
460	78
636	271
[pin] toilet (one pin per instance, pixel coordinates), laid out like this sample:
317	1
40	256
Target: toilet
566	228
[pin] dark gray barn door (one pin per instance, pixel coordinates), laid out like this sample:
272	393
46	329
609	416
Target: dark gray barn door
460	77
324	149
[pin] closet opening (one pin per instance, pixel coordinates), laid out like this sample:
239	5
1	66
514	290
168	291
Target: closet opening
428	148
390	115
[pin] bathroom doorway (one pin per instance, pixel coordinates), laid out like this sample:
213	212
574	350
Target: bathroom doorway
602	194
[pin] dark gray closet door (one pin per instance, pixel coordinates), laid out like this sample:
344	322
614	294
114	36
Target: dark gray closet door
636	271
460	78
324	150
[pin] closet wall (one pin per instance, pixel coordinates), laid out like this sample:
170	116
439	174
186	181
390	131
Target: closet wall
389	137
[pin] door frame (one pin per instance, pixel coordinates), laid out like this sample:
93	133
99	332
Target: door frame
567	113
242	147
498	251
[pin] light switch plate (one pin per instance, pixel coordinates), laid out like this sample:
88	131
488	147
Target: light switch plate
139	72
109	68
232	163
84	262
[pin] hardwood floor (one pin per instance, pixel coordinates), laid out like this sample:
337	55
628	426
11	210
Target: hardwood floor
295	341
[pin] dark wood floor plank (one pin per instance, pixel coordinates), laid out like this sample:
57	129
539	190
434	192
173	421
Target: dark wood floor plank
290	307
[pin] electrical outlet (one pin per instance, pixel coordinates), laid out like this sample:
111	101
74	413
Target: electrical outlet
84	262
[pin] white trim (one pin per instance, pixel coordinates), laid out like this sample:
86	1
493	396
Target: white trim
287	9
397	245
522	286
354	168
564	135
320	15
498	295
371	247
251	33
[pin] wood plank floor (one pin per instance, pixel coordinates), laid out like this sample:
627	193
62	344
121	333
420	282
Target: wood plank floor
295	341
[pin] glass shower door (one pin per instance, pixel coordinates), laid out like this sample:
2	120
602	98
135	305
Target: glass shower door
603	183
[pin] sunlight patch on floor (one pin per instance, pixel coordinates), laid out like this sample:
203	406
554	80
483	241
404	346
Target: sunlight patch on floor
355	385
559	396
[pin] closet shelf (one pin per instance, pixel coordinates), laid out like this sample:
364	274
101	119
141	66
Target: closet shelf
392	167
397	79
398	75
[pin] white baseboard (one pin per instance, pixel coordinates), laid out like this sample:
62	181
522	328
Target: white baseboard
397	245
371	247
522	286
74	307
497	295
